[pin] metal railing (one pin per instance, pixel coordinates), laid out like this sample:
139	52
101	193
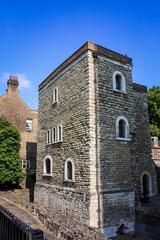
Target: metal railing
12	228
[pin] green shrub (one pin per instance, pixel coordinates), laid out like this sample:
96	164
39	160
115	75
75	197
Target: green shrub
10	163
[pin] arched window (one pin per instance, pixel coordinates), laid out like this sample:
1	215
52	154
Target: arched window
146	184
69	174
69	171
119	83
118	79
47	166
122	128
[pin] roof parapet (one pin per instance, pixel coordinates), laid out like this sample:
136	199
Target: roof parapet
87	46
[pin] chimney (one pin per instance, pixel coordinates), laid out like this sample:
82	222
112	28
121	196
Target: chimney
12	84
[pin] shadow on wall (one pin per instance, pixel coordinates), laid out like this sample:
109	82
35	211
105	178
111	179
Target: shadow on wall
158	178
31	155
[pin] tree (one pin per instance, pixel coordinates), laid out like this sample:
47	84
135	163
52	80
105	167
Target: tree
154	110
10	163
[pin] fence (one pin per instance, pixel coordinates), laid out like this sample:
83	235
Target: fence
12	228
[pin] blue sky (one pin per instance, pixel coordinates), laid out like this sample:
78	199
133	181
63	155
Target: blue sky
37	36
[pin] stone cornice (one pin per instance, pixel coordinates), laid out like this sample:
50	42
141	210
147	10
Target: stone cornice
87	46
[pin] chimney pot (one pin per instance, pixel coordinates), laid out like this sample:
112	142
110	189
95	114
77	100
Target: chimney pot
12	84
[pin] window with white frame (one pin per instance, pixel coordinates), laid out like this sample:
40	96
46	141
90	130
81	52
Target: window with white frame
69	170
122	128
54	135
119	83
26	164
29	125
59	133
48	136
55	95
47	166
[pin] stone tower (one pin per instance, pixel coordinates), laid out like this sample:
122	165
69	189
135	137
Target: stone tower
94	156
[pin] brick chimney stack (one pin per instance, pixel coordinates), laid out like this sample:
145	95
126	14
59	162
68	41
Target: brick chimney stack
12	84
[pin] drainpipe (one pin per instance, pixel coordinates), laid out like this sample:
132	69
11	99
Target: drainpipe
95	56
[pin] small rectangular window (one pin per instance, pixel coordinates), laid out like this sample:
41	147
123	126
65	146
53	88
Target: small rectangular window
29	125
55	95
48	137
54	134
26	164
59	133
51	137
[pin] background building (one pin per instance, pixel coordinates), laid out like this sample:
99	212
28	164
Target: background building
17	112
156	157
94	153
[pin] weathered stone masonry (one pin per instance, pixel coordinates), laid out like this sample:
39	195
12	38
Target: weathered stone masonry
108	170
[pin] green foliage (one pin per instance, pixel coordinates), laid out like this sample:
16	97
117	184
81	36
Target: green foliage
10	163
155	131
154	110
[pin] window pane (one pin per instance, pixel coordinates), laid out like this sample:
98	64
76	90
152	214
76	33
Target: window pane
55	94
48	166
60	133
28	124
118	82
69	170
48	136
24	164
51	137
54	134
122	128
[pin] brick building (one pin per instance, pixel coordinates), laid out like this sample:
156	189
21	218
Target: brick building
156	150
94	153
17	111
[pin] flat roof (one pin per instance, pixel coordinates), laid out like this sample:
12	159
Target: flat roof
87	46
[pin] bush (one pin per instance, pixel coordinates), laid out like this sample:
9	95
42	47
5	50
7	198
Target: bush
154	110
10	163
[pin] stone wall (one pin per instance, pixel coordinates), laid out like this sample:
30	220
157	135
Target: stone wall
118	210
63	200
141	144
117	193
61	226
72	111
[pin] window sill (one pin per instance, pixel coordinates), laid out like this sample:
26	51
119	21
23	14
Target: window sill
47	175
123	139
54	103
118	91
69	181
47	144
